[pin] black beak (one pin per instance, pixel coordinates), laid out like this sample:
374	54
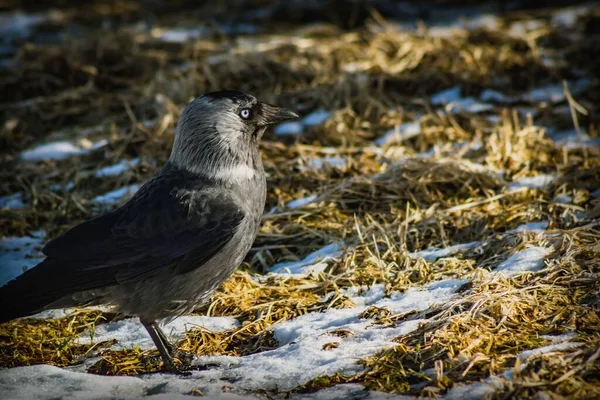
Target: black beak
273	115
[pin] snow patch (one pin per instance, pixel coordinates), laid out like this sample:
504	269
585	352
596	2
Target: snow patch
289	128
531	259
532	182
337	162
468	104
555	93
490	95
12	202
434	254
316	117
18	25
539	226
49	382
572	140
59	150
446	96
116	195
563	199
559	338
314	263
301	202
353	391
400	133
182	35
117	169
19	253
419	300
567	17
454	101
548	349
296	128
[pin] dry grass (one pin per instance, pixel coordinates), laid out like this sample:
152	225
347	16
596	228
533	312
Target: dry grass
450	184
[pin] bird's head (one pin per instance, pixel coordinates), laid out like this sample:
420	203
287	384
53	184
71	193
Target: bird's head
218	134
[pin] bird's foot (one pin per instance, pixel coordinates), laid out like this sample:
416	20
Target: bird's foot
184	361
172	368
184	357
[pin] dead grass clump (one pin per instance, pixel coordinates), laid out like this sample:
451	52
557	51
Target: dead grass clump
419	181
45	341
572	374
518	149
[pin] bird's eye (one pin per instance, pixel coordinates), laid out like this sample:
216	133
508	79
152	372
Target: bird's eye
246	113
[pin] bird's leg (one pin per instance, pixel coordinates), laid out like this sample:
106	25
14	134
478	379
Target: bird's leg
170	346
165	348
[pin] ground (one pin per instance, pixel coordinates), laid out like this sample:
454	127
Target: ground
432	220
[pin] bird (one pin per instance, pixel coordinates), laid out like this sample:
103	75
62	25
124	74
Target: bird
182	234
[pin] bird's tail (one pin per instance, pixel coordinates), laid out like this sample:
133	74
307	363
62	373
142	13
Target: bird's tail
27	294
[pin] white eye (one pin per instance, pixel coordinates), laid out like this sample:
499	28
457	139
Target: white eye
246	113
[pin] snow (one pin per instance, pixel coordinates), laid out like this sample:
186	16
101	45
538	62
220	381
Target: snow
296	128
490	95
182	35
18	24
289	128
548	349
559	338
48	382
531	259
117	169
434	254
468	104
563	199
554	93
473	391
539	226
572	140
116	195
301	202
59	150
130	331
454	101
313	263
399	133
317	117
532	182
12	202
522	28
178	35
337	162
352	391
19	253
446	96
54	314
567	17
419	300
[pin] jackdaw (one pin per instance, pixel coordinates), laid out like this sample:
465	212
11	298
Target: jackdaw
183	233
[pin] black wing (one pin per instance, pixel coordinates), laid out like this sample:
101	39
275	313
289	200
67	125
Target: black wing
159	228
